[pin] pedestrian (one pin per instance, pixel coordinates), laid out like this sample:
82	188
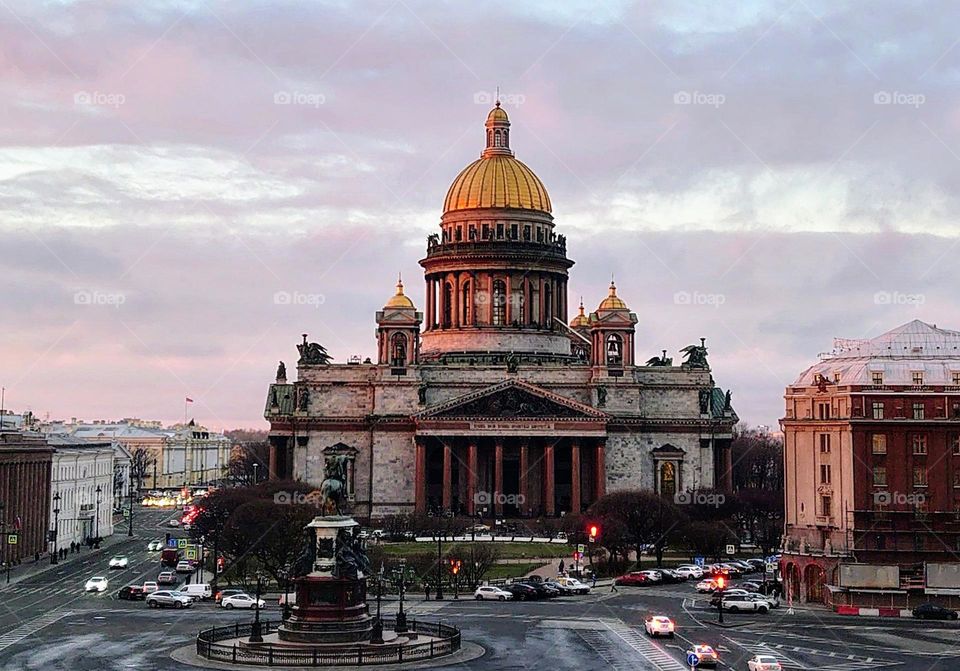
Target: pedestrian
426	591
613	586
594	578
560	570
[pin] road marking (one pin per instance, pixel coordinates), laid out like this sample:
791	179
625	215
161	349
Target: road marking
853	663
647	649
30	628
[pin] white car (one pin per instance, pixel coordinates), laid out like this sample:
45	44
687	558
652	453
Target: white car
96	584
575	585
150	586
491	592
120	561
708	585
164	598
240	601
764	663
658	625
743	603
690	571
184	566
155	546
174	522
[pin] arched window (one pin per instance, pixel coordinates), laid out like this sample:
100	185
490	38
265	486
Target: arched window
398	350
548	307
614	350
499	303
489	138
497	139
447	305
668	479
465	304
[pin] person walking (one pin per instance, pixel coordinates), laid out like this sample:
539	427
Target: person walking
560	570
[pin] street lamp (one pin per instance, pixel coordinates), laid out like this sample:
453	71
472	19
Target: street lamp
130	515
376	636
401	626
6	540
96	534
439	596
56	526
255	634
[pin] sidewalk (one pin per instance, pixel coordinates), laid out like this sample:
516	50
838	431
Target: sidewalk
31	568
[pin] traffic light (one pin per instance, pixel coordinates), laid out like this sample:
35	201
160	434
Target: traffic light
221	564
721	582
455	566
593	531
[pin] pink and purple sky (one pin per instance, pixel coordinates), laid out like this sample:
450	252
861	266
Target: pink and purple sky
764	174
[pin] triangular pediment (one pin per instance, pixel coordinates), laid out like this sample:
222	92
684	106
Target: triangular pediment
512	399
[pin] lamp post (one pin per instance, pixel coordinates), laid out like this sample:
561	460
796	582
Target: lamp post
130	515
56	526
439	596
401	626
96	534
256	478
376	636
287	574
255	635
6	540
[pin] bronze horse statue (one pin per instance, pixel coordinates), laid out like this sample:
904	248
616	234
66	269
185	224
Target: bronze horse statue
333	489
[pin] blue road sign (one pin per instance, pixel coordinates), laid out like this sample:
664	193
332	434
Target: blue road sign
699	561
693	660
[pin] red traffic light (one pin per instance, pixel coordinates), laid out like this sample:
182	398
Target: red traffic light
721	582
593	530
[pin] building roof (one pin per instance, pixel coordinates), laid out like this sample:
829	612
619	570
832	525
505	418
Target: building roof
399	299
612	301
580	321
914	347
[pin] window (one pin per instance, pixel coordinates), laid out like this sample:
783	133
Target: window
824	442
499	231
465	304
955	443
918	377
877	378
918	410
919	476
824	474
878	409
614	350
879	443
398	346
496	138
825	503
499	303
836	378
447	305
879	476
526	233
668	479
823	410
919	444
956	377
956	477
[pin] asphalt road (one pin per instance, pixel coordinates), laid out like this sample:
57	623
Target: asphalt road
47	622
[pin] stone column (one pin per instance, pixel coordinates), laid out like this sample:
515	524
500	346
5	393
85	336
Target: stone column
498	478
420	477
524	478
575	478
429	306
543	296
272	464
548	475
600	487
508	282
447	475
455	321
472	478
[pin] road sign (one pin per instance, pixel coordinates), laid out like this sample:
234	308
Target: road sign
11	539
731	550
191	553
699	561
181	543
581	547
693	660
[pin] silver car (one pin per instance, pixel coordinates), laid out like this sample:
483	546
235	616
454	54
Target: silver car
165	598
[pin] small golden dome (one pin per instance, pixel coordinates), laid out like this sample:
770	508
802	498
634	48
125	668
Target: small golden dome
399	300
497	181
581	320
612	302
498	114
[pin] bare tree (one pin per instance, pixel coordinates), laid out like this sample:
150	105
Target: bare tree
139	463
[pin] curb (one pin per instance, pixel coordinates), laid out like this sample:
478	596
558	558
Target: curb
857	611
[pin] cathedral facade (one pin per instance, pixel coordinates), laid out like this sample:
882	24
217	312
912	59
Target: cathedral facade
489	402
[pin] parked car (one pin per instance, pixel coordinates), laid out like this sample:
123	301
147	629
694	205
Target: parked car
741	602
198	590
184	567
167	598
654	577
223	593
746	567
563	589
132	593
658	625
574	584
150	586
931	611
174	522
167	578
759	565
772	599
670	577
241	601
763	663
727	594
633	579
491	592
542	591
120	561
155	546
708	585
749	585
96	584
706	654
521	592
690	571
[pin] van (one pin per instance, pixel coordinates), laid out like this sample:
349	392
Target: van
169	557
197	590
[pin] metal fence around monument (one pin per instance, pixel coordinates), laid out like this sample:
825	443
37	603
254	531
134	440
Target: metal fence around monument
445	640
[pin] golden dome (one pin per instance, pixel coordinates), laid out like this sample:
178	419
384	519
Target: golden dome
581	320
498	114
399	300
612	302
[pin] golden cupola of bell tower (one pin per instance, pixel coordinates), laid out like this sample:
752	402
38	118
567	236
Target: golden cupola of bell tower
496	273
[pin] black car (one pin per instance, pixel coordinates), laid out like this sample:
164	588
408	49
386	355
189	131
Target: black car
931	611
521	592
563	589
541	590
669	577
132	593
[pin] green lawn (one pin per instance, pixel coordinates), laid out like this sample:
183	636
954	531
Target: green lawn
499	571
507	550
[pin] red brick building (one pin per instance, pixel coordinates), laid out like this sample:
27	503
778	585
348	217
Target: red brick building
872	463
25	460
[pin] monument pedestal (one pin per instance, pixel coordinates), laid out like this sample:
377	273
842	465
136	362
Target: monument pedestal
328	610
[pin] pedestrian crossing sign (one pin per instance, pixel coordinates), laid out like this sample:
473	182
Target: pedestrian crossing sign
191	553
181	543
11	539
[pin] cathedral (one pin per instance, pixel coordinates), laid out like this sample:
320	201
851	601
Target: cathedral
490	401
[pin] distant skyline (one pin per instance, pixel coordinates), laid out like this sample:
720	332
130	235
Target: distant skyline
768	175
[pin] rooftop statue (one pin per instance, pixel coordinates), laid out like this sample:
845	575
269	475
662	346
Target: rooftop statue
696	355
312	352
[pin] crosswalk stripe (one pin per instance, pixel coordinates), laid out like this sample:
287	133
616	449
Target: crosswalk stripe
30	628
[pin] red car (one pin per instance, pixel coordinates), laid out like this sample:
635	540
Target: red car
632	579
